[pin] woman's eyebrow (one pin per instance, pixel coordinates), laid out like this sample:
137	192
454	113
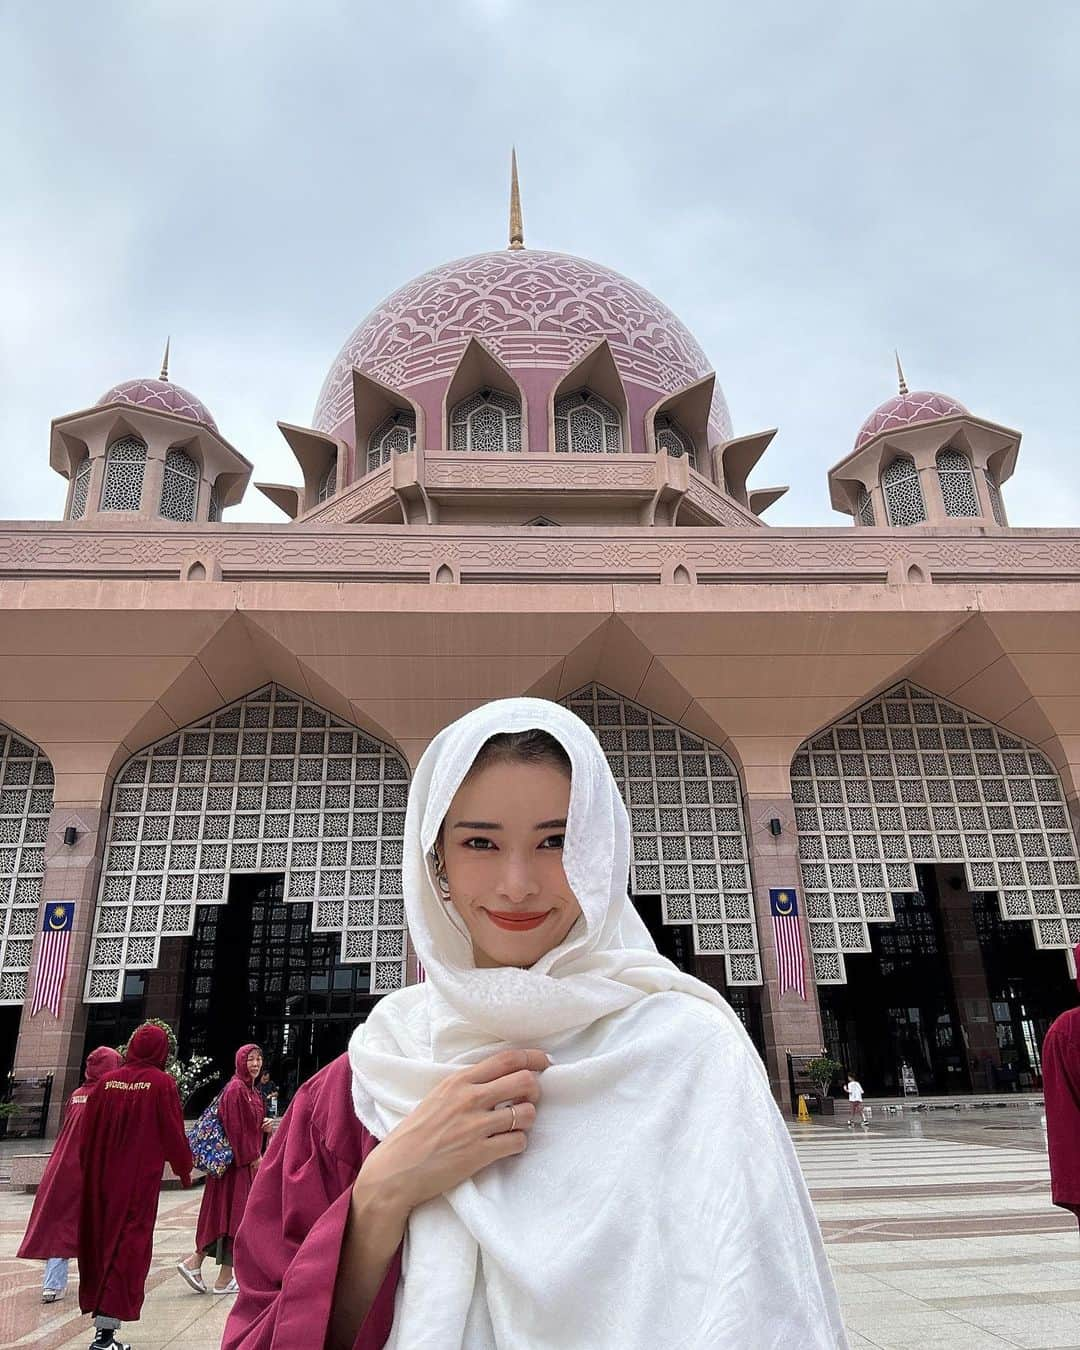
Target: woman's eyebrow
475	825
551	825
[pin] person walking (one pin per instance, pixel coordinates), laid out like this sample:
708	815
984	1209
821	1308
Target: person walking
242	1112
1061	1098
52	1235
854	1090
134	1125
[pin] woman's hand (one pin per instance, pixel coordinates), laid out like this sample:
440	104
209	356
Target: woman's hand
458	1129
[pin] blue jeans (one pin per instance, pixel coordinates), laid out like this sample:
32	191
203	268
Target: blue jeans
56	1275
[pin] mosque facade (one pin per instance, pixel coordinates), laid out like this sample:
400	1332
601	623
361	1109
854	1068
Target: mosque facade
521	477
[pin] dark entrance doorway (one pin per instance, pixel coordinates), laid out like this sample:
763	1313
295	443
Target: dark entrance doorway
256	972
676	942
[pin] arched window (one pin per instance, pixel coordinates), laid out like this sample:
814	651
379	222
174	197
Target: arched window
328	482
903	492
125	464
395	436
864	508
996	504
489	421
80	488
179	487
586	424
957	484
671	437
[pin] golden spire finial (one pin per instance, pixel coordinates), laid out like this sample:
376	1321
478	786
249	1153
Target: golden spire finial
900	372
517	230
165	362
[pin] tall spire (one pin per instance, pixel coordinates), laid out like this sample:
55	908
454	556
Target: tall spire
900	373
165	362
517	230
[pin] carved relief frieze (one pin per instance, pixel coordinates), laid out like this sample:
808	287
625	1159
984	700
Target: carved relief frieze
622	473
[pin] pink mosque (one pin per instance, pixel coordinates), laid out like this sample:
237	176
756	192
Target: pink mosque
521	477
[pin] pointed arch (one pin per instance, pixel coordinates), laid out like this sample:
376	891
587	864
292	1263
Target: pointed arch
484	408
26	802
902	489
686	819
604	428
269	783
910	778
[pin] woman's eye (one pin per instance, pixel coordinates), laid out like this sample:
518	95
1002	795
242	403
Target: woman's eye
482	845
554	841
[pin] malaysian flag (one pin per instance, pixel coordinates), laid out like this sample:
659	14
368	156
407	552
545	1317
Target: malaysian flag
788	937
53	955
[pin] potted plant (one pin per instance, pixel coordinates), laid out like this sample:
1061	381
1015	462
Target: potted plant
821	1072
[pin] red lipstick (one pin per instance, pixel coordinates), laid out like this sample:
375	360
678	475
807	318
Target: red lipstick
516	923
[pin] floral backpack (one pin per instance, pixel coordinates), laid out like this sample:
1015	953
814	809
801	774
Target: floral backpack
210	1147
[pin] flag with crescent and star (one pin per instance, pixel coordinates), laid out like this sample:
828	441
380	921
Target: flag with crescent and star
784	905
56	925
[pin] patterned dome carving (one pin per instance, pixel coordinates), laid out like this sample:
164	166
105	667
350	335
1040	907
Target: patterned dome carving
535	310
905	410
160	396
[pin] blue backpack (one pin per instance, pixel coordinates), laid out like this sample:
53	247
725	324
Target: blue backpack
210	1147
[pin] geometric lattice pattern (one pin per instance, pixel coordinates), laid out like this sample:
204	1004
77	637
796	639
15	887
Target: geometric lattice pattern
586	424
686	817
672	438
997	506
957	484
179	487
80	488
26	799
487	423
397	435
903	492
909	778
270	783
864	508
125	464
328	482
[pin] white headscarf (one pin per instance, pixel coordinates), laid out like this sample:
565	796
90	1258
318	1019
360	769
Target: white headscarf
658	1203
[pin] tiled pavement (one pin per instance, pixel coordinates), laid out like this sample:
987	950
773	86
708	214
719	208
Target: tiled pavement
939	1230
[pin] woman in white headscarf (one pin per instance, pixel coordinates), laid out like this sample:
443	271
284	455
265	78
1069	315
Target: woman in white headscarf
579	1147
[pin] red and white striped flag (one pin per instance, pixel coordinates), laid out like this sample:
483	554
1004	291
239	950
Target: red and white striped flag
56	928
789	945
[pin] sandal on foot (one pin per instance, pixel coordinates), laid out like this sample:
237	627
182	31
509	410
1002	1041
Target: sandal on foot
191	1278
231	1288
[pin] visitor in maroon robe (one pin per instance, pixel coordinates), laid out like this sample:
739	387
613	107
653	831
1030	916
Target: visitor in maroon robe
134	1125
289	1245
242	1111
52	1235
1061	1093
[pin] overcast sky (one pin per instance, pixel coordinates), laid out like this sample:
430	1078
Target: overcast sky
806	185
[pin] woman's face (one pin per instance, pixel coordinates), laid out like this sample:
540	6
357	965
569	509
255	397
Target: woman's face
254	1064
502	845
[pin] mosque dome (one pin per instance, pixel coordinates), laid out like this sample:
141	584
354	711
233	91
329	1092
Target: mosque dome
906	409
538	312
161	396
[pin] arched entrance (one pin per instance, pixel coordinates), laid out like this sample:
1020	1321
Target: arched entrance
252	884
26	800
689	871
927	837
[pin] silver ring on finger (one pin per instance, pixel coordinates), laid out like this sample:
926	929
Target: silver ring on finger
513	1119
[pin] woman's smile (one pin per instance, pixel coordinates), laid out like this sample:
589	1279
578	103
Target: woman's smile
516	922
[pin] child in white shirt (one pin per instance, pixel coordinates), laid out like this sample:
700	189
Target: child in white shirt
854	1090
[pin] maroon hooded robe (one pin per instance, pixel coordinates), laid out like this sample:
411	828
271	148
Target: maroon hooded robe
289	1245
53	1229
1061	1094
242	1111
134	1125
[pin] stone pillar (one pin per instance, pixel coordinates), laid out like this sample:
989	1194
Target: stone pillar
968	975
50	1044
790	1023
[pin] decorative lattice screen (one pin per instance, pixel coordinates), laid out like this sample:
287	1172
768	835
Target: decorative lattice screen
26	800
397	435
903	493
488	423
957	483
671	437
125	464
586	424
689	838
81	489
269	784
179	486
909	778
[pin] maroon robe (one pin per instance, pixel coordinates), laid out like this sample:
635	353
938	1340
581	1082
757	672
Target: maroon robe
53	1229
242	1112
1061	1094
134	1125
289	1245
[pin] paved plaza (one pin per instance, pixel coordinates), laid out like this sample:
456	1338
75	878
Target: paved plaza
938	1226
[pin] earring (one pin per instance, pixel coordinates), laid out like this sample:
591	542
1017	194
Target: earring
440	870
